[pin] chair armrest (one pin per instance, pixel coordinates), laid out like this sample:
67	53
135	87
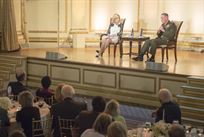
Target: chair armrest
103	34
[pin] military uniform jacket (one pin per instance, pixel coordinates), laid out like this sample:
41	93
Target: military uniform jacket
169	33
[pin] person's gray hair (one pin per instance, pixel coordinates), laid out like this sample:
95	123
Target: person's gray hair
165	95
20	74
176	130
25	99
67	91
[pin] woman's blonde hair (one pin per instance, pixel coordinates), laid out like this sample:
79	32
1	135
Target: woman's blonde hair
117	129
58	93
112	108
102	122
26	99
115	16
5	103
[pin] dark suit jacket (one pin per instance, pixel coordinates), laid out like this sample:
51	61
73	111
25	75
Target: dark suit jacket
172	112
67	109
85	120
25	117
16	87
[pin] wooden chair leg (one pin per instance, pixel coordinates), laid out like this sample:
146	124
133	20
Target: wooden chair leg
175	54
109	50
162	50
115	47
167	54
121	49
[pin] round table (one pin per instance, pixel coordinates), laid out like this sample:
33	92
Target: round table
44	111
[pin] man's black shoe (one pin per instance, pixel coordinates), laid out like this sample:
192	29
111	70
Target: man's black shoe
138	58
150	60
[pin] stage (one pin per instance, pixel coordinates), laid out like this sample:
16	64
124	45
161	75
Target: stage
189	63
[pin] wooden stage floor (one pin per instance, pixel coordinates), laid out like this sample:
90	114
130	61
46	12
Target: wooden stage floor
189	63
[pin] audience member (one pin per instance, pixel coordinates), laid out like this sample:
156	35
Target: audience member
85	119
67	109
45	92
168	111
176	130
5	103
113	108
117	129
27	113
58	95
100	126
14	88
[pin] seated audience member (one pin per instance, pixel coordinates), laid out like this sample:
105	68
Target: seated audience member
176	130
17	133
85	119
117	129
5	103
14	88
58	95
27	113
67	109
100	126
45	91
168	111
113	108
113	34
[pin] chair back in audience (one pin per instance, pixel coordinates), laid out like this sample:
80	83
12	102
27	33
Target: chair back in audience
49	100
67	128
42	128
13	97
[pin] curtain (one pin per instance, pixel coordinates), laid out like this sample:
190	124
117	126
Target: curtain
9	41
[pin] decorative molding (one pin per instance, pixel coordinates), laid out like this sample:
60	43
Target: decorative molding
90	70
55	31
65	67
148	77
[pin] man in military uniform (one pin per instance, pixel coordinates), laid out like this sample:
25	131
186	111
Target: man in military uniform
165	33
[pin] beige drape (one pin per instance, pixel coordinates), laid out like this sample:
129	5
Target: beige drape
9	41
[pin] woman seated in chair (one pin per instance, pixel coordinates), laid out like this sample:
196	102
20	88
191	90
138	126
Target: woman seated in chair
112	35
45	91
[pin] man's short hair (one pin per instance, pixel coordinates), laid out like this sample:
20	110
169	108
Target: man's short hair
67	91
165	95
98	104
20	74
165	14
46	82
